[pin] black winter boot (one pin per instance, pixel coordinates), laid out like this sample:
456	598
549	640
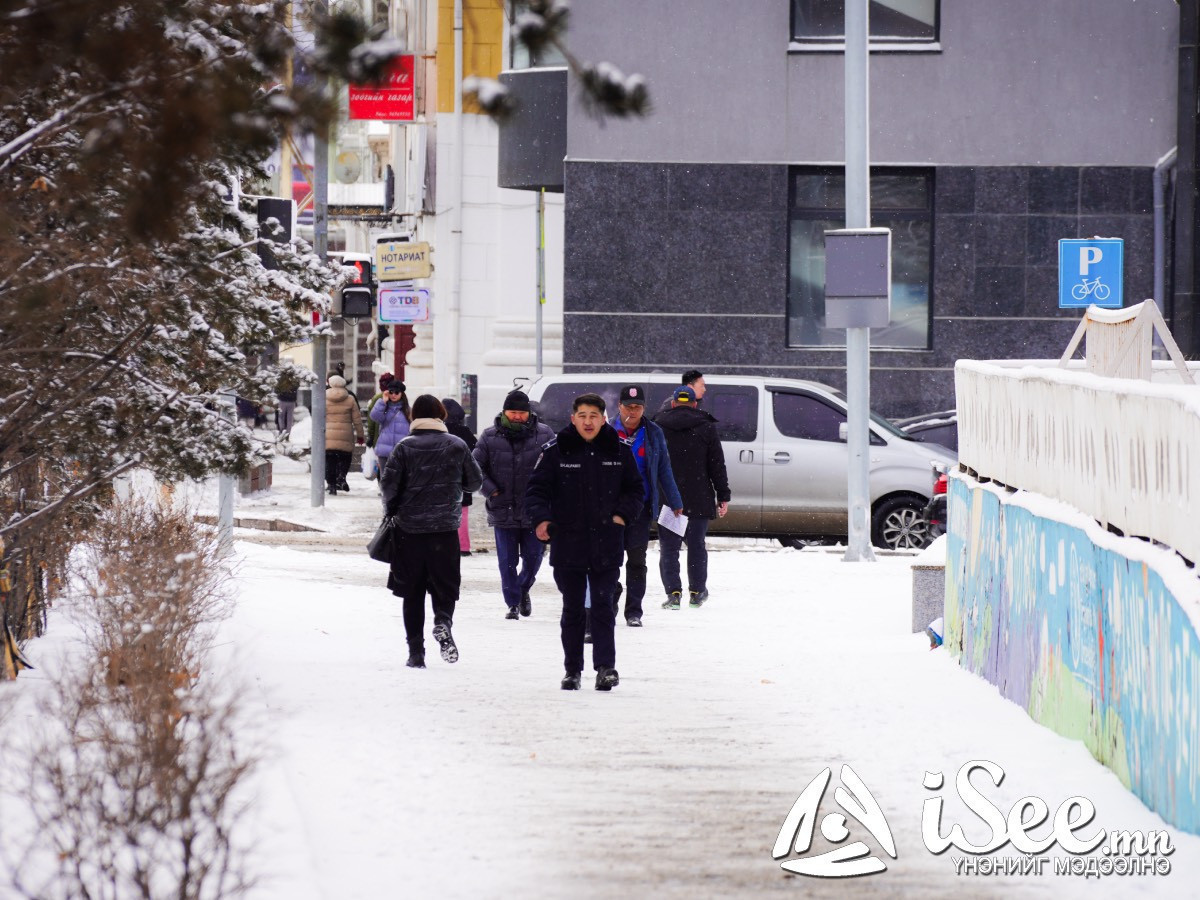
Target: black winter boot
441	634
606	679
571	681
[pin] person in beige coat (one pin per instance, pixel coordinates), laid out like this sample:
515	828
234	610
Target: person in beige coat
343	427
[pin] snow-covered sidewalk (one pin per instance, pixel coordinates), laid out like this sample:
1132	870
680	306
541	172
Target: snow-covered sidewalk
483	779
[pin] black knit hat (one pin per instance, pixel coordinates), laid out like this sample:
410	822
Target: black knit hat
517	401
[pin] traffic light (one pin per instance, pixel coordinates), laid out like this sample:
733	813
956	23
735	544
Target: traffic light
362	271
356	301
357	298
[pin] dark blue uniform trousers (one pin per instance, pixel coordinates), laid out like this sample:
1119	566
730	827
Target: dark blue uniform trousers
574	584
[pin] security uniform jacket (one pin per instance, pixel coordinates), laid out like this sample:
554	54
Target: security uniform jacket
578	487
507	457
697	460
425	477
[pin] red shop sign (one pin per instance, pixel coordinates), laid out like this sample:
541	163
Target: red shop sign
392	101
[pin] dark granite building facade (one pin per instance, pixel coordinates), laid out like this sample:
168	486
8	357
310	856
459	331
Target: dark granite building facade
675	265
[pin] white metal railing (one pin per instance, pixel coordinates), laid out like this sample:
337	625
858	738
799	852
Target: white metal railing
1123	451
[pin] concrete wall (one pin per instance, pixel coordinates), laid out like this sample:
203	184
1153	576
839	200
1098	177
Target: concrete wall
1022	82
1089	633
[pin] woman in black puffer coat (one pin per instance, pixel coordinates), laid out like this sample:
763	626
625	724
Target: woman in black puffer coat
423	484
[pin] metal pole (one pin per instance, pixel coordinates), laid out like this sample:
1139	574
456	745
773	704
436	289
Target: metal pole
225	484
541	270
321	338
320	366
858	340
1160	244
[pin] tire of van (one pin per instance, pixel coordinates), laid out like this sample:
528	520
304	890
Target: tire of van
898	523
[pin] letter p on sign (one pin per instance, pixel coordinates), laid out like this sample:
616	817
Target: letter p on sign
1088	257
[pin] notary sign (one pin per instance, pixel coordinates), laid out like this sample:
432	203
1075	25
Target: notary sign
391	101
402	261
1090	273
403	305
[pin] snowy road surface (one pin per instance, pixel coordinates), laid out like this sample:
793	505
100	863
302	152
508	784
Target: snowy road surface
483	779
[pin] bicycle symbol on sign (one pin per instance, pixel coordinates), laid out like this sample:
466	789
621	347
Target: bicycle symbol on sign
1093	287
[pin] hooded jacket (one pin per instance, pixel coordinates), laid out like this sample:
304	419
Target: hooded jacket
578	487
343	421
425	477
507	457
393	426
697	460
456	424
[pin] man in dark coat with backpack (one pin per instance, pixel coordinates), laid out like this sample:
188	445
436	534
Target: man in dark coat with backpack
585	488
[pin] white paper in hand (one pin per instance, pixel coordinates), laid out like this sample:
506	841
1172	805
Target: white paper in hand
668	519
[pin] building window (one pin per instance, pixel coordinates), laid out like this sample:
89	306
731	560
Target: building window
902	200
889	21
518	54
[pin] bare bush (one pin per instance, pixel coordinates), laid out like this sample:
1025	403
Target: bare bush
133	780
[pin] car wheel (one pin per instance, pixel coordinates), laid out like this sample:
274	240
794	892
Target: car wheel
899	524
799	543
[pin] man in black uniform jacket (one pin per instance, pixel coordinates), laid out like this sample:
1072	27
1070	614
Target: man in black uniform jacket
584	489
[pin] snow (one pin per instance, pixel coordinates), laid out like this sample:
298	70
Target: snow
483	779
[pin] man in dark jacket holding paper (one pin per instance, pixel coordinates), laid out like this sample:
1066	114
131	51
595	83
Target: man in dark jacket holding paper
423	484
698	463
584	489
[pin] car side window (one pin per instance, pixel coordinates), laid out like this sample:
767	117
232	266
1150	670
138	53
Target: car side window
801	416
735	407
808	418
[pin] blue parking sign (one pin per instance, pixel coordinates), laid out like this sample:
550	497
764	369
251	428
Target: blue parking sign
1090	273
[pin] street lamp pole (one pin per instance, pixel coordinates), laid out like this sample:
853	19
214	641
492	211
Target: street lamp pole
858	339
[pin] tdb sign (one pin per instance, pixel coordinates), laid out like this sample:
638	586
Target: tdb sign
1090	273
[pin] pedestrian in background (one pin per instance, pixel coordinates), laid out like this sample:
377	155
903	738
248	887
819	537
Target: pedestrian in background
392	415
507	452
287	388
424	480
653	460
698	463
372	425
584	490
692	378
343	427
456	424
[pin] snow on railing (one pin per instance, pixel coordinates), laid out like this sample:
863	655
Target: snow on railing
1119	450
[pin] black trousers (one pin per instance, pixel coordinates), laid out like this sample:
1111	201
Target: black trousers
637	539
337	466
426	563
574	583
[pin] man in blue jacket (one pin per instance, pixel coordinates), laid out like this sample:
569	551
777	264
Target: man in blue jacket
649	447
584	489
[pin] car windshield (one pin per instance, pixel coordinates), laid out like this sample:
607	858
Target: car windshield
886	424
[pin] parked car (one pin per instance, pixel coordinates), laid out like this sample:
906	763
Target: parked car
933	428
935	509
784	452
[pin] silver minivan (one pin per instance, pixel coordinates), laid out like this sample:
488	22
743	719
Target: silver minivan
785	452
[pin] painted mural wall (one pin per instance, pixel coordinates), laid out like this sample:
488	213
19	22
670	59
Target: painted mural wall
1094	635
